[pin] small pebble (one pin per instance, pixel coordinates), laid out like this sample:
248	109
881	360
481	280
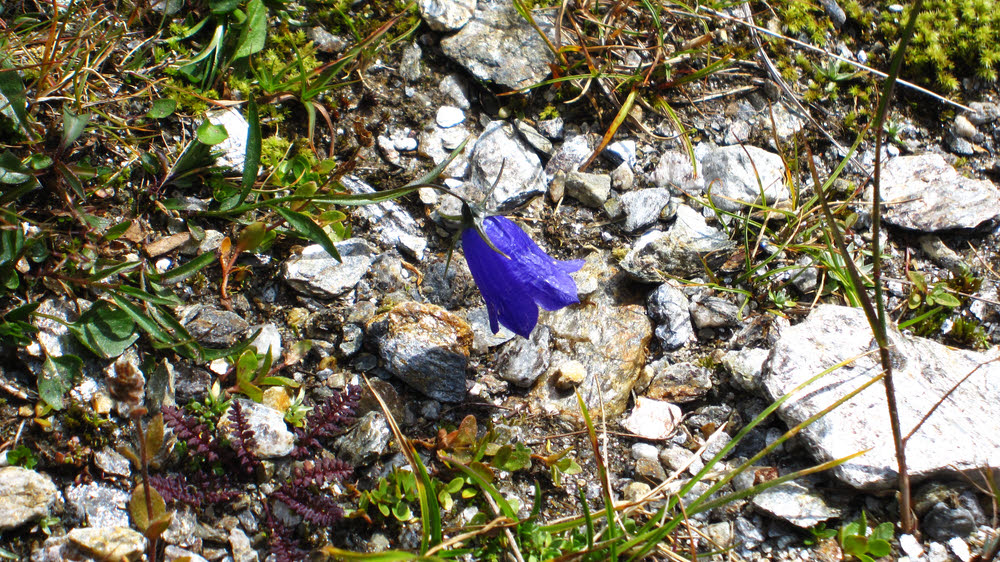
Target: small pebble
569	375
449	116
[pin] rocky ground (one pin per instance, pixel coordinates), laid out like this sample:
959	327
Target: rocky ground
710	290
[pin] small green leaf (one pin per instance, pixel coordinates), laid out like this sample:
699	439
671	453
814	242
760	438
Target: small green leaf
182	272
138	509
15	104
116	231
884	531
855	545
57	377
251	237
305	226
73	126
944	299
38	161
222	7
211	134
105	329
162	108
254	31
402	512
12	171
879	548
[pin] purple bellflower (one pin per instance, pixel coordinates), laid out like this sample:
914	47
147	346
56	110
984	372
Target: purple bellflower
513	274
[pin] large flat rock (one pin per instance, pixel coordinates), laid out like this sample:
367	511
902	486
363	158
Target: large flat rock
962	435
926	193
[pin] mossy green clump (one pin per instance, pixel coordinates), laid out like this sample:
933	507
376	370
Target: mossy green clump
953	39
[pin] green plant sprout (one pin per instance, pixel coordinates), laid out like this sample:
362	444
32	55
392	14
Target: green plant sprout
865	544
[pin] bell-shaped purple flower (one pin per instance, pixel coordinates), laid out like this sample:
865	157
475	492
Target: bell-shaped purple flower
516	284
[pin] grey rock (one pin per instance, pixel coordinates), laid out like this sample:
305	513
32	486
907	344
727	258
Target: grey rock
425	346
653	419
232	150
668	306
53	337
551	128
498	45
960	146
112	462
677	458
448	116
679	251
175	554
647	462
736	175
943	522
713	312
623	178
590	189
569	156
314	272
351	340
795	503
325	41
939	252
214	327
621	152
964	128
25	495
499	146
787	122
437	144
273	440
983	112
392	224
608	337
748	533
161	386
366	440
962	434
642	207
533	137
183	530
483	336
120	544
447	15
269	338
522	361
455	88
720	535
925	193
835	12
242	549
409	66
680	382
746	366
674	169
805	279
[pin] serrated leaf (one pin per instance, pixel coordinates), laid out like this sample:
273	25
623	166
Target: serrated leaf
211	134
57	377
105	329
308	229
162	108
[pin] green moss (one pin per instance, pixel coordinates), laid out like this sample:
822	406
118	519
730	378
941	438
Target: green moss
953	38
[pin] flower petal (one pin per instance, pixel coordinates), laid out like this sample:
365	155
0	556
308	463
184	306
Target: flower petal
545	278
506	298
